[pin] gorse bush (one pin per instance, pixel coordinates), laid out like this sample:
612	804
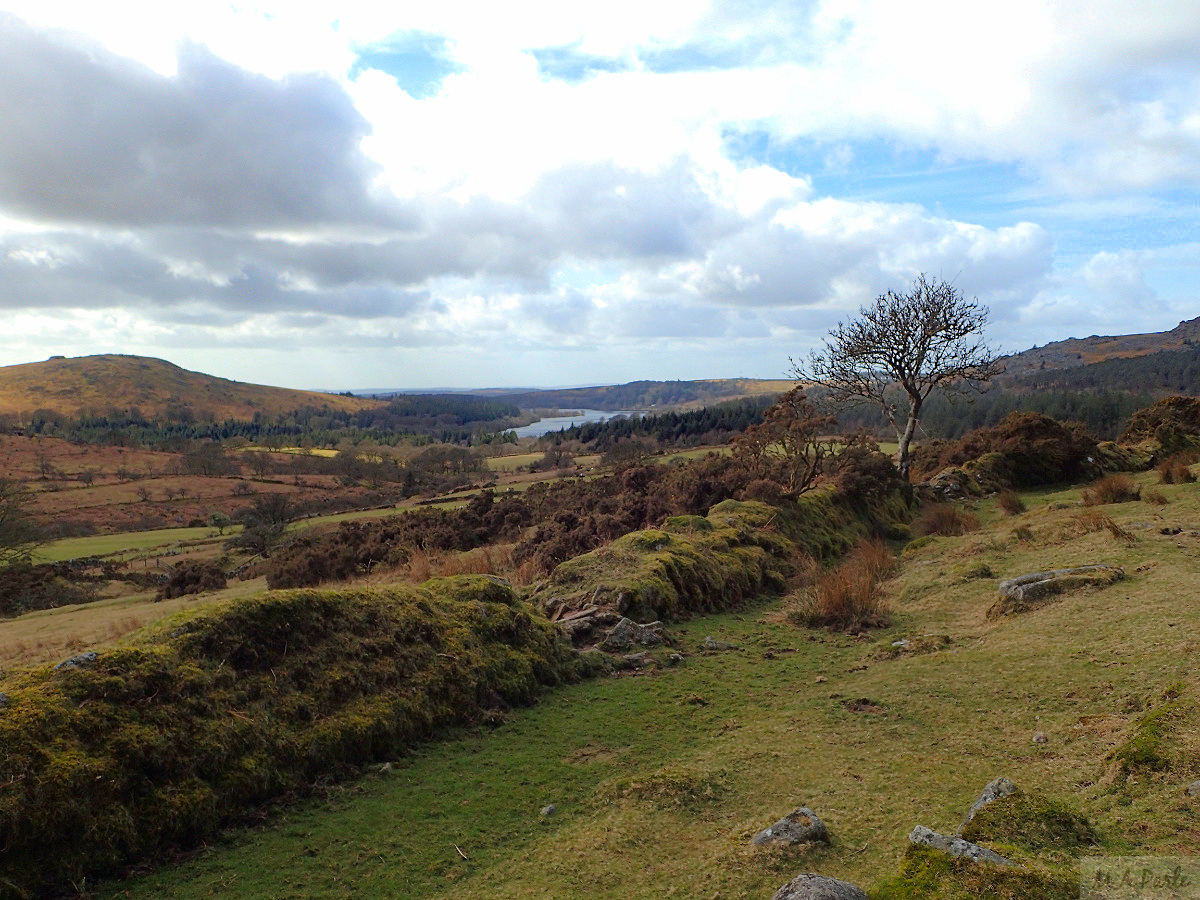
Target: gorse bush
1025	450
1172	423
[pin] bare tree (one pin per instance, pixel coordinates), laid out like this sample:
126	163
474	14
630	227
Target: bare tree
929	337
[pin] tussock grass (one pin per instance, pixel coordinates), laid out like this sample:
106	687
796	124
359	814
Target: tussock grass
945	519
1118	488
1094	520
1010	503
850	596
1176	469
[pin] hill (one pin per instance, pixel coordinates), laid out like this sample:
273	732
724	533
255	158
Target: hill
1074	352
153	388
648	394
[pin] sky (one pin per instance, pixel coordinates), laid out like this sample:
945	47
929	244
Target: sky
471	194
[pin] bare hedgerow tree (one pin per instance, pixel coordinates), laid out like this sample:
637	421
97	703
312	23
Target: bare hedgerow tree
791	445
929	337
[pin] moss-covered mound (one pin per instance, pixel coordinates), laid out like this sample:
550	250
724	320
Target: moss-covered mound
1032	824
927	874
694	565
1148	747
157	745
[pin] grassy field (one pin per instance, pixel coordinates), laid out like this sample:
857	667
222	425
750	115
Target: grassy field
661	778
134	541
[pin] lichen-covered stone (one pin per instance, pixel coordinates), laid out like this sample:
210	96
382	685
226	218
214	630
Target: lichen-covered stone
1027	592
995	789
801	826
818	887
627	633
953	846
82	661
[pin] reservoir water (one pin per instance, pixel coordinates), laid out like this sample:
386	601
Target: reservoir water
557	423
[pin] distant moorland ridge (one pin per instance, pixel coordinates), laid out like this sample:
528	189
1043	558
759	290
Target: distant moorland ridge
156	388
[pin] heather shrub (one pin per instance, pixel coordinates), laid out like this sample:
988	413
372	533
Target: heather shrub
192	576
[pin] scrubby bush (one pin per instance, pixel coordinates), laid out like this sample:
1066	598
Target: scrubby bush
191	576
1118	488
24	588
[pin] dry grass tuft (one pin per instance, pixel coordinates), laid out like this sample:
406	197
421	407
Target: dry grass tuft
1094	520
1011	503
1119	488
495	559
849	597
1156	497
945	519
1175	469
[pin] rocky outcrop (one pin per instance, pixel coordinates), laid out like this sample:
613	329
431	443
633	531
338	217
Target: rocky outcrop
954	846
818	887
82	661
999	787
1030	591
627	634
801	826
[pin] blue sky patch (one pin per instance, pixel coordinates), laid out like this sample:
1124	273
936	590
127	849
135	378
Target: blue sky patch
419	61
566	63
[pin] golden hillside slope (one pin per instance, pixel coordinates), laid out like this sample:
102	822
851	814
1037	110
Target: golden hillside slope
112	381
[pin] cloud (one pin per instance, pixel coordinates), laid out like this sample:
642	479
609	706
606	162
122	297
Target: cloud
91	138
675	181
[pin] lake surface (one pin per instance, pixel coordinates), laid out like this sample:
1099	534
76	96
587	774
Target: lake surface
557	423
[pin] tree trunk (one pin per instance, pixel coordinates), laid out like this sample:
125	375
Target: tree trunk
905	437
